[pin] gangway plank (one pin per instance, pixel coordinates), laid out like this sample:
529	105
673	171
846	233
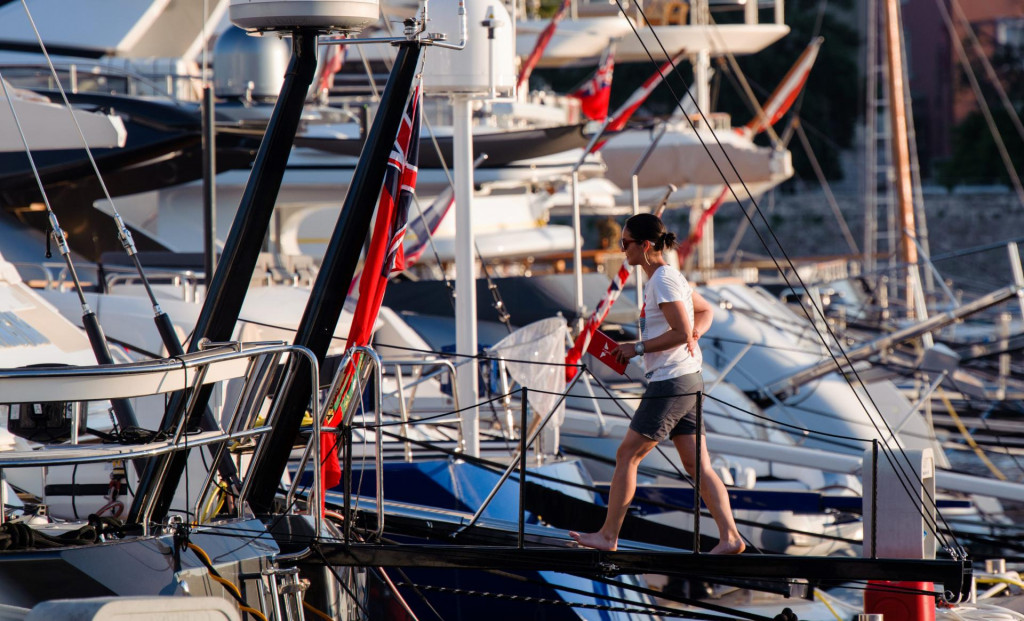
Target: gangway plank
491	544
953	575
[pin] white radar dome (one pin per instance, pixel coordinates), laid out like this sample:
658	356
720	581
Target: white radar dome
325	15
471	70
245	65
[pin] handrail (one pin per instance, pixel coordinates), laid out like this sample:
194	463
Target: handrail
403	413
378	437
316	493
313	445
257	385
29	76
186	279
235	353
272	416
134	379
446	366
256	363
72	454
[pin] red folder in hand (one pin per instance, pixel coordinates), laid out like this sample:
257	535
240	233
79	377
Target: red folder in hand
602	347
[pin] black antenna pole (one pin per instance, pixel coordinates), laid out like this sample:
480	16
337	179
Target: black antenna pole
241	250
209	184
230	281
336	272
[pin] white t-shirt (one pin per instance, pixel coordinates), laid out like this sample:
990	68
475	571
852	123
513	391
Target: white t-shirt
667	285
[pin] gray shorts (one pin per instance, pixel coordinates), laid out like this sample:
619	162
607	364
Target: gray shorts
669	408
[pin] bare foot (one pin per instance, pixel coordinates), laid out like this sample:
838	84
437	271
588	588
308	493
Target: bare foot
731	546
595	540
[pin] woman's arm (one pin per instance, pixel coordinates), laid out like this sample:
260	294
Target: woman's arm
703	315
680	330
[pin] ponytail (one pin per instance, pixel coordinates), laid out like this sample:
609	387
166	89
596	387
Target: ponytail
649	227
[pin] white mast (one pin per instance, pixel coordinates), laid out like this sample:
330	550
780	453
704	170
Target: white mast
701	62
485	66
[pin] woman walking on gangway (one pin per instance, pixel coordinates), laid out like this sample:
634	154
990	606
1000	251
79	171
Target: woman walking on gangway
673	318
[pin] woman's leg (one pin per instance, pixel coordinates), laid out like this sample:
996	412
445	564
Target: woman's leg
631	452
713	492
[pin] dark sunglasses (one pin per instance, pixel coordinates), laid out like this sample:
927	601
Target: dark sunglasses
624	243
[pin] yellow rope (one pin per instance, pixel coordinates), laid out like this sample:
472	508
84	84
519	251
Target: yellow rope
315	611
967	436
821	597
252	611
214	503
999	580
230	586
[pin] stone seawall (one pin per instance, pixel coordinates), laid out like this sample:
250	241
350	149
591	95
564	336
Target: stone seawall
805	225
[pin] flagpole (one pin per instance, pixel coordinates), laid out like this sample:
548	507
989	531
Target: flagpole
634	177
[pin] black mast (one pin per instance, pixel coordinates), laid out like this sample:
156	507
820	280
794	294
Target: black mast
336	272
241	251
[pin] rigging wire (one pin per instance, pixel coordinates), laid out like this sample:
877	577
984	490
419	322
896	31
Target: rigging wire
426	602
343	583
905	479
829	197
498	467
122	408
770	423
803	431
433	247
57	233
639	590
163	323
685	600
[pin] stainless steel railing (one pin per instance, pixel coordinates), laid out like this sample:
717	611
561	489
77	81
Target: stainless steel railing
249	369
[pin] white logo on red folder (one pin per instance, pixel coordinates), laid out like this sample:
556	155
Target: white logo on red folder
602	347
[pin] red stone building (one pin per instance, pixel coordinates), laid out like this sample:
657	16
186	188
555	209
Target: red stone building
942	95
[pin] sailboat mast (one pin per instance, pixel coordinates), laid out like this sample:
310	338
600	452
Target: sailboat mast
700	16
900	147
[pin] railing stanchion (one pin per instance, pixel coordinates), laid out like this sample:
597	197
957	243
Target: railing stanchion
346	470
522	466
378	397
697	473
403	410
874	498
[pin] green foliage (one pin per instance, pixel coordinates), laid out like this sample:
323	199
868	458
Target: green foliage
975	159
548	8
